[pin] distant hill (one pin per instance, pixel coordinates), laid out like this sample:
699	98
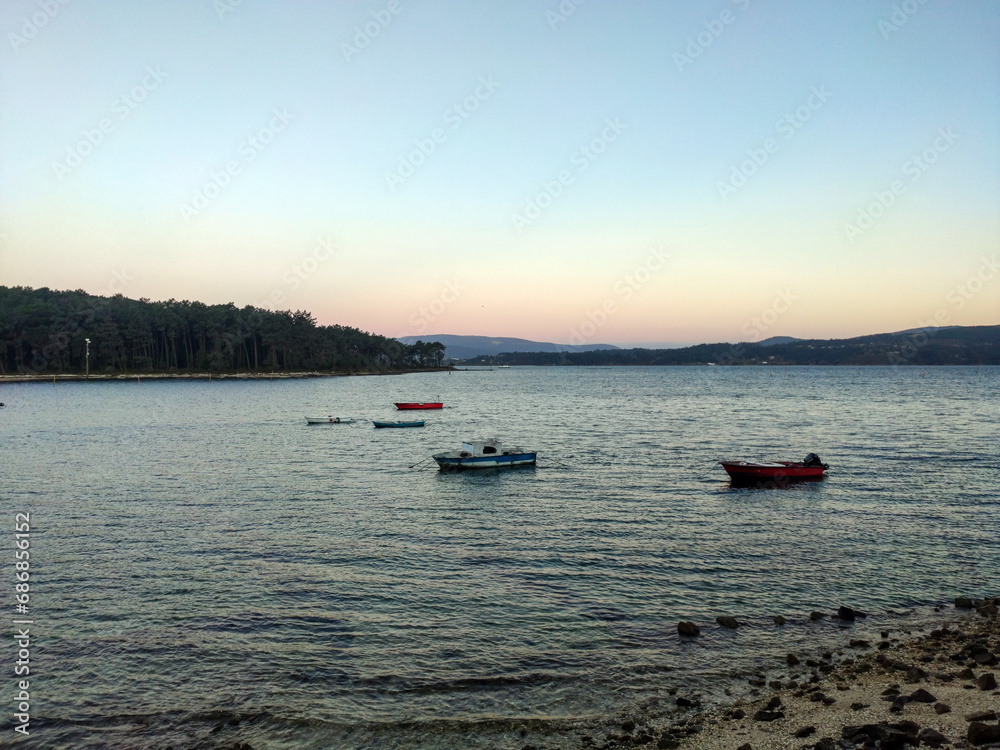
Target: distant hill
778	340
467	347
954	345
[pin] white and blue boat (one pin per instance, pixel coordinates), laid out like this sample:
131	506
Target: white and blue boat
484	454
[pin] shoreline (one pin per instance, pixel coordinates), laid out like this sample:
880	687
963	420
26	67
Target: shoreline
276	375
284	375
932	689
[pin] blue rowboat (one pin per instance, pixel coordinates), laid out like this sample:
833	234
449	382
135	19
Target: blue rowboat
484	454
397	424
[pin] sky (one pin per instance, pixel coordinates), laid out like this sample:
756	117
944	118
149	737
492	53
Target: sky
570	171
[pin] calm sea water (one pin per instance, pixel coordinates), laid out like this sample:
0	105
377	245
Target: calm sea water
208	569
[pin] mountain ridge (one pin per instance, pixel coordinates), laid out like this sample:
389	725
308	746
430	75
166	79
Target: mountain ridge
952	345
461	346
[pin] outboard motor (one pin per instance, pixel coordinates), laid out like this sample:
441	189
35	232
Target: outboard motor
813	460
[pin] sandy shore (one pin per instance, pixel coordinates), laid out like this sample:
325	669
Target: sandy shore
937	689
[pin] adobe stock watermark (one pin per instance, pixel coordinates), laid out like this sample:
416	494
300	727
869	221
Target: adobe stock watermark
117	284
250	148
122	107
297	273
363	35
901	14
454	117
758	325
224	7
624	289
582	158
33	24
562	13
427	314
714	28
915	167
786	127
973	285
957	298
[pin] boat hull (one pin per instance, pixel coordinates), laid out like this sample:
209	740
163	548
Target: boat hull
328	420
397	424
413	406
456	462
778	471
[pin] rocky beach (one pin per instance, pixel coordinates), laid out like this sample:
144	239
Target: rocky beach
935	689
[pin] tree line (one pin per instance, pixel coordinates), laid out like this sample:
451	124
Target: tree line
43	331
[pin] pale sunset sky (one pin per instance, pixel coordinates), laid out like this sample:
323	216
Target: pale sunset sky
575	171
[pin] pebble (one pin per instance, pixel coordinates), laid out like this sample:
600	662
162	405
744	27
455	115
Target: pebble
985	658
915	674
982	734
981	716
931	737
987	681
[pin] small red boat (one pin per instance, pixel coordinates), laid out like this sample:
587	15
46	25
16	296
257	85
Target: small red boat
430	405
777	471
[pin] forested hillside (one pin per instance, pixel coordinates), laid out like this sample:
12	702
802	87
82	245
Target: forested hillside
45	331
955	345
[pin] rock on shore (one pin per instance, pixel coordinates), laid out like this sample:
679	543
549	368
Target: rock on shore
938	690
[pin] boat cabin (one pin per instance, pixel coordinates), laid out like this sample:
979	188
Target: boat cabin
479	448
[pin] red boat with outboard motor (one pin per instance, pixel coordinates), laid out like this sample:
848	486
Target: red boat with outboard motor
812	467
430	405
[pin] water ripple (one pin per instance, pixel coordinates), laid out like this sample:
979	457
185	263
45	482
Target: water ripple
218	572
